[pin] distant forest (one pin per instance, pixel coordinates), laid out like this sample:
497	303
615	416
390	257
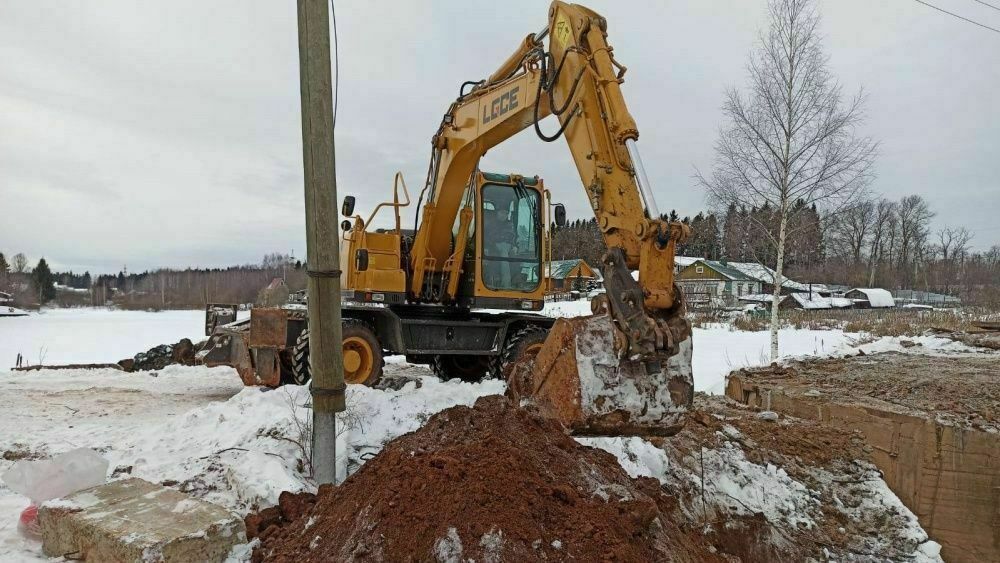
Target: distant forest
156	289
877	243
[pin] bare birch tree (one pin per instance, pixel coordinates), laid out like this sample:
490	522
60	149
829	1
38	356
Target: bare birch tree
953	244
790	137
885	212
19	263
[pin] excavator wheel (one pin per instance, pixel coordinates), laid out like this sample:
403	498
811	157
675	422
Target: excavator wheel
521	347
363	360
300	359
466	368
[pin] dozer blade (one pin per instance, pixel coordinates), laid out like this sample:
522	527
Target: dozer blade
577	378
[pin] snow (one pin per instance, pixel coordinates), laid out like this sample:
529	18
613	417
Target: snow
761	298
200	430
877	297
727	483
685	261
8	311
93	335
637	457
764	274
817	301
718	350
203	431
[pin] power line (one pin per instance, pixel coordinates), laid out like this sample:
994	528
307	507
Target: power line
973	22
987	4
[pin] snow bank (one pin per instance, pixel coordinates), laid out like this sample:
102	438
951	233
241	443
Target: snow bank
238	446
243	452
8	311
924	344
719	349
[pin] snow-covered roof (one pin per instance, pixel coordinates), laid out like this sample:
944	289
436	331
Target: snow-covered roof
6	311
68	289
559	269
685	261
817	301
876	297
764	274
760	298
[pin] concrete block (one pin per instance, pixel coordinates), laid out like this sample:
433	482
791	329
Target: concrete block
135	520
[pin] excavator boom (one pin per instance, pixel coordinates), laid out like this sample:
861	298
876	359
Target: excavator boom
630	363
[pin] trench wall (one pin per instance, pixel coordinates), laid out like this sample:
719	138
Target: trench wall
948	476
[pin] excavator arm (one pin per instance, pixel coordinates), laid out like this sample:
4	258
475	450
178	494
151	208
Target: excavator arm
577	79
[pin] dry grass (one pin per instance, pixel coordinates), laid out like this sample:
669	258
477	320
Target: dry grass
875	322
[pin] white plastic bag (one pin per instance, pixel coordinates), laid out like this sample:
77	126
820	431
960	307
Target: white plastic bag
62	475
47	479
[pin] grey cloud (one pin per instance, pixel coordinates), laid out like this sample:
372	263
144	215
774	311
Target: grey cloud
167	133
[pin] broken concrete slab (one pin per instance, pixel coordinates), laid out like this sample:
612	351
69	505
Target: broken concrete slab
135	520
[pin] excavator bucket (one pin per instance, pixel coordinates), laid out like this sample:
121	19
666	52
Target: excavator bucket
577	378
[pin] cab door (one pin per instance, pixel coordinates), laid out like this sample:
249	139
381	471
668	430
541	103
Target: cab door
509	229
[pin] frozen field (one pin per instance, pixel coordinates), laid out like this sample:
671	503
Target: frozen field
92	335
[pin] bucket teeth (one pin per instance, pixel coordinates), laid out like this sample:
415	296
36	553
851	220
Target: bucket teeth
578	378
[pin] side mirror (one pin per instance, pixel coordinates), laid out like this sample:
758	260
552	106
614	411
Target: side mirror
361	260
345	225
347	209
560	214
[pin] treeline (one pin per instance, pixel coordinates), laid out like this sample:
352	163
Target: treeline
582	239
873	243
194	287
156	289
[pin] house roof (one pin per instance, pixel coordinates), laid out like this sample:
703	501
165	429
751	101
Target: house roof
817	301
685	261
764	274
559	269
876	297
727	270
760	298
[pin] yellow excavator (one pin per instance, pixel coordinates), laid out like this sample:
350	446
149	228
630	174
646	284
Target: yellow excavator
461	290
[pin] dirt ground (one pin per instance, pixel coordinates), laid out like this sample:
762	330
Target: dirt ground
487	483
960	389
496	483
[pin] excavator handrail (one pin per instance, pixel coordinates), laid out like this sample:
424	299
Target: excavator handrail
395	204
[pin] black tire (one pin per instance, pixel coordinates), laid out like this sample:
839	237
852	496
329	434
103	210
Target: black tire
301	373
352	328
464	367
525	341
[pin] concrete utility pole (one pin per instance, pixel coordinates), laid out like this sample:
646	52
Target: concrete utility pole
322	240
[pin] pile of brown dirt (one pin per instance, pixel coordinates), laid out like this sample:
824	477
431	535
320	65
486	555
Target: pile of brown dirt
489	483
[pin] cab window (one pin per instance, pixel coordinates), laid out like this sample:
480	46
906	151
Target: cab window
511	238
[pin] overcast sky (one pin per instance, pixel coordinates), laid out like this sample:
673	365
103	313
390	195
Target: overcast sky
148	134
